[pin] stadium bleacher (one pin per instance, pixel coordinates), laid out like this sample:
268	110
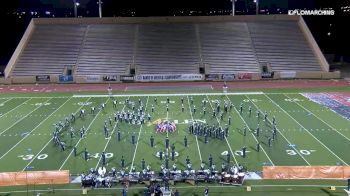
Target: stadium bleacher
227	47
107	50
224	47
49	49
167	48
283	45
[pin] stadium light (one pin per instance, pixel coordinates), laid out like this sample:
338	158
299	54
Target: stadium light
233	7
76	4
100	8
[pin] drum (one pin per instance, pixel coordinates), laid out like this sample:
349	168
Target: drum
99	179
226	178
241	176
235	178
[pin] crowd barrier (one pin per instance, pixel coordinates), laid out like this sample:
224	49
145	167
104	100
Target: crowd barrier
306	172
34	177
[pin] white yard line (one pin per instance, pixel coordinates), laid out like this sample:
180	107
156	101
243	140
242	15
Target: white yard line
50	140
109	139
306	130
251	132
34	128
297	151
14	107
23	118
233	154
87	129
319	119
199	151
138	138
7	99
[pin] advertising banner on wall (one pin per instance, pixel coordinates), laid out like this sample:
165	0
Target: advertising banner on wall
93	79
267	75
42	78
110	78
213	77
65	79
228	77
245	76
127	78
168	77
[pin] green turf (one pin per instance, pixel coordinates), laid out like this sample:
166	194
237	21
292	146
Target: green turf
321	138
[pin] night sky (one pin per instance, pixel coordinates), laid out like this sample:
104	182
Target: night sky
15	25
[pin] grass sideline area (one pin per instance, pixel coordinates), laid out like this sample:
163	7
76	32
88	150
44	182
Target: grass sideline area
27	123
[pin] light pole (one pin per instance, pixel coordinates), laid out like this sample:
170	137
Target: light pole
233	7
76	4
100	8
256	7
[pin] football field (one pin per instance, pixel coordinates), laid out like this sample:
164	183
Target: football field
307	133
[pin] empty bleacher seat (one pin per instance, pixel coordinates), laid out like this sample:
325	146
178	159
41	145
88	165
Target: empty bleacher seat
282	44
49	49
167	48
107	50
114	49
227	47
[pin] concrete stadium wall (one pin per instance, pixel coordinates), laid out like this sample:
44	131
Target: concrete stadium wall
19	49
80	79
23	80
313	45
53	78
330	75
309	75
276	75
255	76
5	80
170	19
